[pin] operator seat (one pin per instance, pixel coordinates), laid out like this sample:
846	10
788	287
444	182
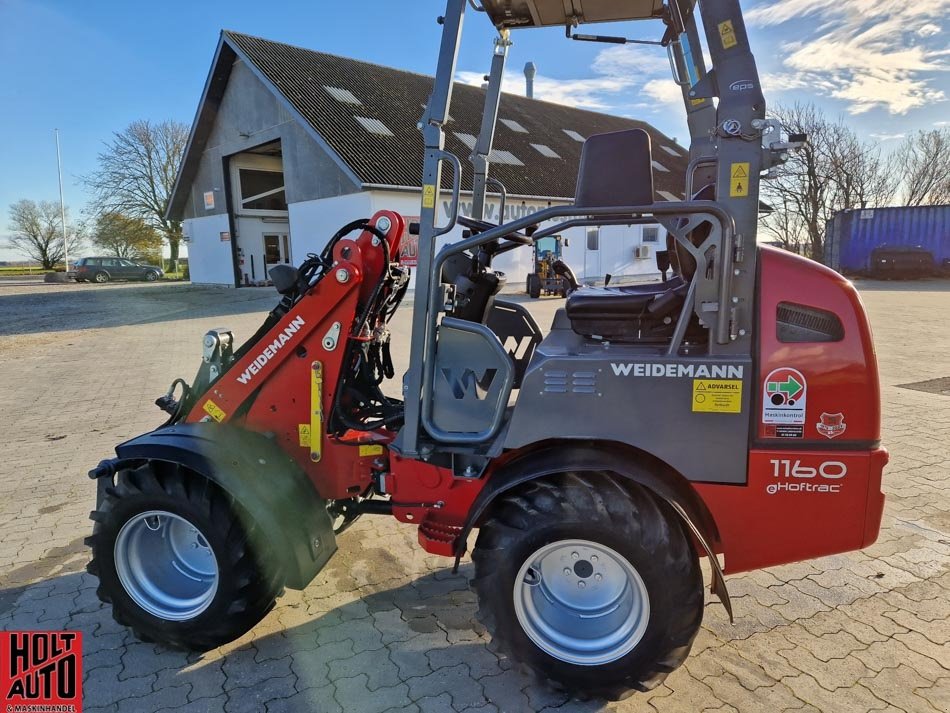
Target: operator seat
632	313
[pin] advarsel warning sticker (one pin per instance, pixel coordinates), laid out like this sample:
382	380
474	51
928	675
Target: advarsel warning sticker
783	397
717	395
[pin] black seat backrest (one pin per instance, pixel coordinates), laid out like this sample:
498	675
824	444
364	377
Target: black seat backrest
616	169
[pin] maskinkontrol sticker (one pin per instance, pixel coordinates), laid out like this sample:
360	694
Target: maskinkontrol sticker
783	397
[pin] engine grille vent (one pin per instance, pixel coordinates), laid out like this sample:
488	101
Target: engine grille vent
798	323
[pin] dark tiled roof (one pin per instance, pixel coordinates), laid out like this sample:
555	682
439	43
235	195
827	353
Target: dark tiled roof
397	98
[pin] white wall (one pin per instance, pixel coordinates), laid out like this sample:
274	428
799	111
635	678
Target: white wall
209	257
617	243
313	222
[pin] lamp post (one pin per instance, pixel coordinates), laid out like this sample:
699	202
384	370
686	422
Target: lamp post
62	204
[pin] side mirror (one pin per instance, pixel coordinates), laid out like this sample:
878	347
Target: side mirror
567	243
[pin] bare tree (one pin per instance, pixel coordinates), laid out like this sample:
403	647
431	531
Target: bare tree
137	173
924	159
831	172
863	178
38	232
126	237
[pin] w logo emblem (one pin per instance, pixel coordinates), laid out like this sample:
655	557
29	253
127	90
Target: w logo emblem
465	382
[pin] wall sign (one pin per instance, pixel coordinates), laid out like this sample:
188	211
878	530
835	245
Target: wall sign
209	200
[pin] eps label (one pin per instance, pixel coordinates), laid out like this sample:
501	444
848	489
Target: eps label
717	395
783	397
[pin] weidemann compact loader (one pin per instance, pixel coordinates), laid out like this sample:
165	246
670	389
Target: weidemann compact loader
731	412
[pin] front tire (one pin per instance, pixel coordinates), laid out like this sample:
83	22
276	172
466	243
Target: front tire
151	276
173	557
534	285
589	583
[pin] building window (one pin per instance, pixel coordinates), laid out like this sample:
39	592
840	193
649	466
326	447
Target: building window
262	190
651	234
593	238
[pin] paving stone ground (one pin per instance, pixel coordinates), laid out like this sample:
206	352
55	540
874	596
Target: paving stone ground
386	627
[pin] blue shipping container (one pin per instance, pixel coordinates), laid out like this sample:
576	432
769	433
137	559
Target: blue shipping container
851	235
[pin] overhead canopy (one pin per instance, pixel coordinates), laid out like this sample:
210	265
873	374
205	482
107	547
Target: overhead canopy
544	13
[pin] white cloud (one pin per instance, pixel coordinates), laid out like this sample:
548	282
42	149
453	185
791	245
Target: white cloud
887	137
627	59
596	93
664	92
868	53
623	73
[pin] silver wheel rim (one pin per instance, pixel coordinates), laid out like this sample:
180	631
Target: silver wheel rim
151	276
581	602
166	565
100	278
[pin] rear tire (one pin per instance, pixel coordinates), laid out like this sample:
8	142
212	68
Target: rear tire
534	285
101	277
571	542
173	558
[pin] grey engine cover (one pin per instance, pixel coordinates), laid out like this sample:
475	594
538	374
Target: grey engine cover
578	388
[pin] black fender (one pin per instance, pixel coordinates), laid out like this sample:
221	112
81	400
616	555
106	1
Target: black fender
564	270
265	482
636	466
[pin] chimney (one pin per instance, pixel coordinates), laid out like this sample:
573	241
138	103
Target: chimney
529	71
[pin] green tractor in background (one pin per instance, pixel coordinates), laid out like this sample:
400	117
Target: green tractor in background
551	275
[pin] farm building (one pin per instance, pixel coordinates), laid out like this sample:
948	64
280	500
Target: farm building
290	144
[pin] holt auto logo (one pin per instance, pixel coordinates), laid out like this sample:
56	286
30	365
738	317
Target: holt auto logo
831	425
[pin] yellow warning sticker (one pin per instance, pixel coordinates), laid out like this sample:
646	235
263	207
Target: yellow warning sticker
739	180
727	34
215	411
303	434
428	196
371	450
717	395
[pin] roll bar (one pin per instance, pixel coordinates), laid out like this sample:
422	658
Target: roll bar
723	151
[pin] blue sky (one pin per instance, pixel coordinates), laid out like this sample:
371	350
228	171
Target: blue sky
89	67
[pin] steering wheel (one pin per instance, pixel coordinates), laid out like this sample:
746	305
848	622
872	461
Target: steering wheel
480	226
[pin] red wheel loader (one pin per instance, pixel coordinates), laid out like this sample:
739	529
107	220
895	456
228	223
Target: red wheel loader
731	412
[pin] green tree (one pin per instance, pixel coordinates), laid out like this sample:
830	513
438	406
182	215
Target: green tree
137	172
37	232
126	237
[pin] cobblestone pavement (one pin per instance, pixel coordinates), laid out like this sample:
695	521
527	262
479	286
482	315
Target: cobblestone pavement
387	627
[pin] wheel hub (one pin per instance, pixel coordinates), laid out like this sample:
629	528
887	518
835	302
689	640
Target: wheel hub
581	602
166	565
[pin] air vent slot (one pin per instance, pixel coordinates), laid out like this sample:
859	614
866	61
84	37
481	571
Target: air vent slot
798	323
